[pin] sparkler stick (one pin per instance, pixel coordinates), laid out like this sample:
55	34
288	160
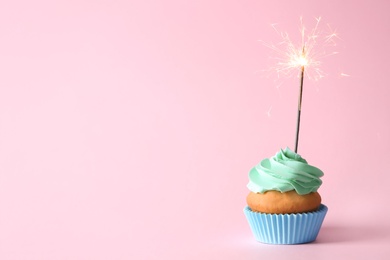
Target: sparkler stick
300	103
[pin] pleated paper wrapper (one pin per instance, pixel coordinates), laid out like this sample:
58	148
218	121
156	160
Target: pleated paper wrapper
286	228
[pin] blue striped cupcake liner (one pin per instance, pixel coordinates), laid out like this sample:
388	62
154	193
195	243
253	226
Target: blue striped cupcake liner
286	228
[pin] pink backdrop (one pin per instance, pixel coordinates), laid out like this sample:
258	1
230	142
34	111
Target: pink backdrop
127	128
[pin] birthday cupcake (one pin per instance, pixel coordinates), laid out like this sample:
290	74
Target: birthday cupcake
284	206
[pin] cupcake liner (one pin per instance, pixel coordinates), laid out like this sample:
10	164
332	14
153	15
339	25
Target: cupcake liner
286	228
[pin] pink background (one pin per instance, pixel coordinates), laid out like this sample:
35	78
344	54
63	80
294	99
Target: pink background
127	128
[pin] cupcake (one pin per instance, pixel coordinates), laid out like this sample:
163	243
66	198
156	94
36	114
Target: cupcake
284	206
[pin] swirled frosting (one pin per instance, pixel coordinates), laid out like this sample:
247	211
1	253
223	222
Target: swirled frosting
284	172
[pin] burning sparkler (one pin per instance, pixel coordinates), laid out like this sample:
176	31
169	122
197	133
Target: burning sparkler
303	58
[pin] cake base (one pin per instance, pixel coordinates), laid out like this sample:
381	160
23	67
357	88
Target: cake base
283	202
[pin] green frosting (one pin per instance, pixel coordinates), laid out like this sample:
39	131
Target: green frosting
284	172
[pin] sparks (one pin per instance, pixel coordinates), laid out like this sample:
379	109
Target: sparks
302	59
269	111
306	54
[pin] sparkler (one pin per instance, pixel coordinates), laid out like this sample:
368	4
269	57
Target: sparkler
303	58
300	100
